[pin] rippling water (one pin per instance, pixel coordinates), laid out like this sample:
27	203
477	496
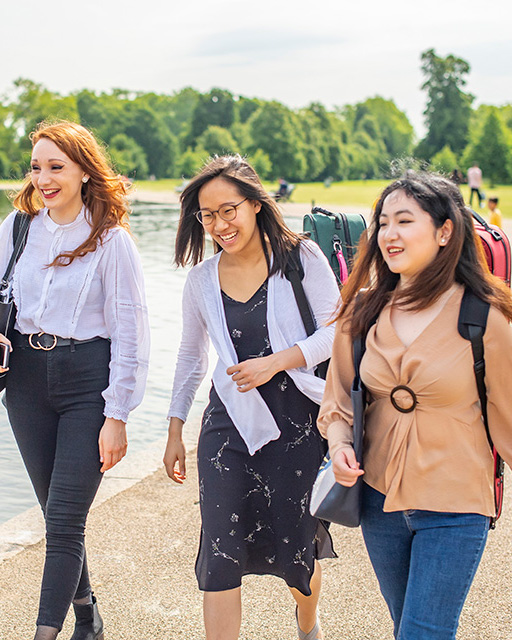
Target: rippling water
154	228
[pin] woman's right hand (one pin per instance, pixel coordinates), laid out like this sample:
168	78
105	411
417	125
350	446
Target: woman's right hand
345	466
175	453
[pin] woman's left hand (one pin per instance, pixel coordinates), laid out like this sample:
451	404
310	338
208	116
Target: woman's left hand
253	373
112	443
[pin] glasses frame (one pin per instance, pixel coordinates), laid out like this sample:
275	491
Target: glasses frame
198	214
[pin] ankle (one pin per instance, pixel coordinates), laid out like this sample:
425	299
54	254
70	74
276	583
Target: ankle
86	600
46	633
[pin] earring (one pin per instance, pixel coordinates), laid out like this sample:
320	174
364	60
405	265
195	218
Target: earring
85	179
443	241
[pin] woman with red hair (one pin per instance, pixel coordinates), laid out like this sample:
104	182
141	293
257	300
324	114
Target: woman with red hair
79	351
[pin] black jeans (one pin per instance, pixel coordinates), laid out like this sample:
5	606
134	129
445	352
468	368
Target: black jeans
478	195
55	409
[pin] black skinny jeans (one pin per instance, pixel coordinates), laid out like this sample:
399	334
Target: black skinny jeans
55	409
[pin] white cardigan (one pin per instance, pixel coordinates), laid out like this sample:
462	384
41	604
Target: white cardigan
203	317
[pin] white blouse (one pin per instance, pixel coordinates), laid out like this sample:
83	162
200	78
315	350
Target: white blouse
101	294
204	319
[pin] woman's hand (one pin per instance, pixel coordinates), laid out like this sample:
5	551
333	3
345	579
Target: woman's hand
6	341
112	443
175	453
253	373
345	466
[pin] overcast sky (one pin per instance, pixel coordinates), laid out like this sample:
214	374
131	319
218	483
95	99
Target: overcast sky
332	51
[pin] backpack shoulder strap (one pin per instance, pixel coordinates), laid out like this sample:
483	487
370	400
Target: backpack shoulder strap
359	342
294	272
19	238
472	323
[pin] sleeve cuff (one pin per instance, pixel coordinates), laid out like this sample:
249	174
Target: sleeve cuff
116	413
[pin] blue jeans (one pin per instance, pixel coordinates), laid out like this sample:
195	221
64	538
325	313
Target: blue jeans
55	409
425	562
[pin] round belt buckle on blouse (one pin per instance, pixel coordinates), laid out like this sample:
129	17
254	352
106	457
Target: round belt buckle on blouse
38	344
398	407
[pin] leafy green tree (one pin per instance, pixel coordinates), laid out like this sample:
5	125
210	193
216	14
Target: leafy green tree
191	161
445	160
214	108
128	157
448	110
8	145
217	141
384	120
492	150
245	107
261	163
275	130
33	103
150	133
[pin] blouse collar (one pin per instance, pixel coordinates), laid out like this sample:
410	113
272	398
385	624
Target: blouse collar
52	226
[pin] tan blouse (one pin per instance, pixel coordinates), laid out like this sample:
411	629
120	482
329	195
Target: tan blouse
436	457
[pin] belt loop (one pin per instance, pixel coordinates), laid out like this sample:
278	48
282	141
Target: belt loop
72	345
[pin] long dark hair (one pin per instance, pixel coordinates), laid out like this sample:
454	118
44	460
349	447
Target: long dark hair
190	238
461	260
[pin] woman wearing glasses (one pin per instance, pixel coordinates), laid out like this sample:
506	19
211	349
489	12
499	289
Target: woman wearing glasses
259	448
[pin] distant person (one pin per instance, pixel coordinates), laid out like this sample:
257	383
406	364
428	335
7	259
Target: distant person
79	355
456	177
259	448
495	216
282	190
475	184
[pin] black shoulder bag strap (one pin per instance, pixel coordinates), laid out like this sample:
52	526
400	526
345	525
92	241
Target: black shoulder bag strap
294	272
472	324
19	239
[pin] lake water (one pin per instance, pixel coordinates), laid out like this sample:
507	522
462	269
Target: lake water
154	227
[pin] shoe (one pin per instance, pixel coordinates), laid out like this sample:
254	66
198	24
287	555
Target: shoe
312	635
89	624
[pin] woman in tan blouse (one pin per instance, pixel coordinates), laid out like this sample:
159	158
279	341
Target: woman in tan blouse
428	468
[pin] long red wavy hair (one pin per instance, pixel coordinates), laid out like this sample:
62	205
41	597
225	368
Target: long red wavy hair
104	195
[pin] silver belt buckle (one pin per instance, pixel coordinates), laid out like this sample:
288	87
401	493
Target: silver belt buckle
38	345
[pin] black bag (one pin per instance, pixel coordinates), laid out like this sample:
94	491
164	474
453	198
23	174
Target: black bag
330	500
294	272
7	308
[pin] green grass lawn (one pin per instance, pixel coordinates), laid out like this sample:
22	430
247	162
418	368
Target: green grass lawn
360	193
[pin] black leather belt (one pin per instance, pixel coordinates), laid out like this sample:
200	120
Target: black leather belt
46	341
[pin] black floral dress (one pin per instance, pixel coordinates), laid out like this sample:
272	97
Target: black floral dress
255	509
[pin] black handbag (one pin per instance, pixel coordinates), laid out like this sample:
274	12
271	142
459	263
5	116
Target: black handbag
7	307
330	500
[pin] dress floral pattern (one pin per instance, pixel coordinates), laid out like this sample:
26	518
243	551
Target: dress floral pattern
255	509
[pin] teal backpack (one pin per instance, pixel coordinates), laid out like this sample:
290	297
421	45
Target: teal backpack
337	234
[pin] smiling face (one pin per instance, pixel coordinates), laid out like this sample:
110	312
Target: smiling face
57	179
407	237
240	235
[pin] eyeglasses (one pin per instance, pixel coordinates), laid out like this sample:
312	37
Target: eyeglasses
227	212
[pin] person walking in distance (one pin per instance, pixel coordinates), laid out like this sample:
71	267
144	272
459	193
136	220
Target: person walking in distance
475	184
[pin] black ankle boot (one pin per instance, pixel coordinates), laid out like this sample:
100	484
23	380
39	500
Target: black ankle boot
88	625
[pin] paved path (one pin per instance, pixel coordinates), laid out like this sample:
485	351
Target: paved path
142	544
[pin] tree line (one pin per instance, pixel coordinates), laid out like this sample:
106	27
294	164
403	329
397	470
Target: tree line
170	136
